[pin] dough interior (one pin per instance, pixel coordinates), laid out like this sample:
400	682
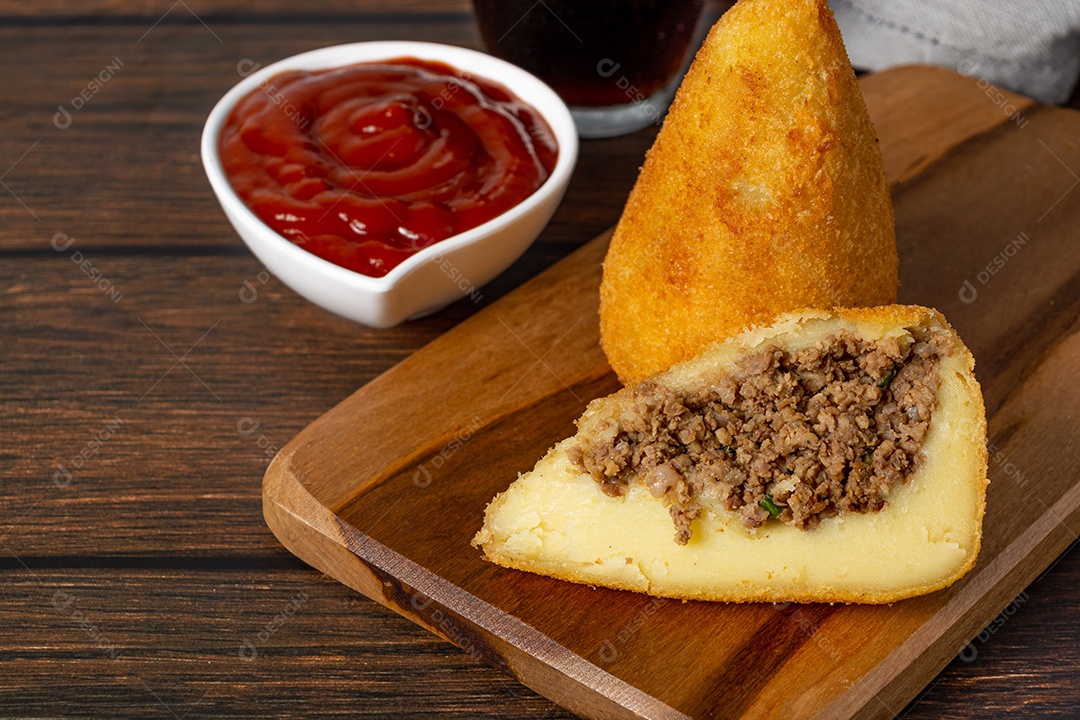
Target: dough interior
556	521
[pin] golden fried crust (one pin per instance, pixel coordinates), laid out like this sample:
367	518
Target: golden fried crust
763	193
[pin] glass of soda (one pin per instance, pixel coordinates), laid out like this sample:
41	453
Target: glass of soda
616	63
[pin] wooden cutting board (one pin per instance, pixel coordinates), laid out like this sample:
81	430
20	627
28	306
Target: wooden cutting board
385	491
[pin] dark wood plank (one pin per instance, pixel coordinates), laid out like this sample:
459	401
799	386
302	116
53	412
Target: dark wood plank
339	655
232	644
65	11
172	494
173	450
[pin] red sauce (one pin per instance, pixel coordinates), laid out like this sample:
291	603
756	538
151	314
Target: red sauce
367	164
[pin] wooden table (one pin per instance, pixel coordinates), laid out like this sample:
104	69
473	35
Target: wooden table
142	399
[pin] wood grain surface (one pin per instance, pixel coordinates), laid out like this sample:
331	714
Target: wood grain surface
385	491
131	589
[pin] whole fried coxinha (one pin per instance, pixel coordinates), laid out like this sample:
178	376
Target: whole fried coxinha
831	457
815	456
763	193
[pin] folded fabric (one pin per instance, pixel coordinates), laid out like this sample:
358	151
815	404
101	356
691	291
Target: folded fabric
1031	47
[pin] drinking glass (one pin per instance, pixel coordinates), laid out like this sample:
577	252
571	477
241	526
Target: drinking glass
616	63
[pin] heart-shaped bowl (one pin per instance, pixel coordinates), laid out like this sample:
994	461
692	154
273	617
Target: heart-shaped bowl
437	275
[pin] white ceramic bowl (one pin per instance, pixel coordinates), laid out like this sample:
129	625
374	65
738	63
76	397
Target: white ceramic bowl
435	276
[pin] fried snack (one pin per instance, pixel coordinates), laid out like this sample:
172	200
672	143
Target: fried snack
763	193
831	457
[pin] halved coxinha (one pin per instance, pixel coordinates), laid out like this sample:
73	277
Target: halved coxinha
832	456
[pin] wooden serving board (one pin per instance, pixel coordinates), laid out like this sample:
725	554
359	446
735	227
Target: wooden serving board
385	491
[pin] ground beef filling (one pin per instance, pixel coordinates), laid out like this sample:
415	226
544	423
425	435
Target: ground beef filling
794	436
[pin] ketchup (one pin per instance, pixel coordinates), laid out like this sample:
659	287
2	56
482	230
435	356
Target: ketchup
366	165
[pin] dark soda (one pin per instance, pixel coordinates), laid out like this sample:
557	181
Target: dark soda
594	53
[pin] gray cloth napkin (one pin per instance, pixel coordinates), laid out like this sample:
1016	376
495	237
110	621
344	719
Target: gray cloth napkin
1029	46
